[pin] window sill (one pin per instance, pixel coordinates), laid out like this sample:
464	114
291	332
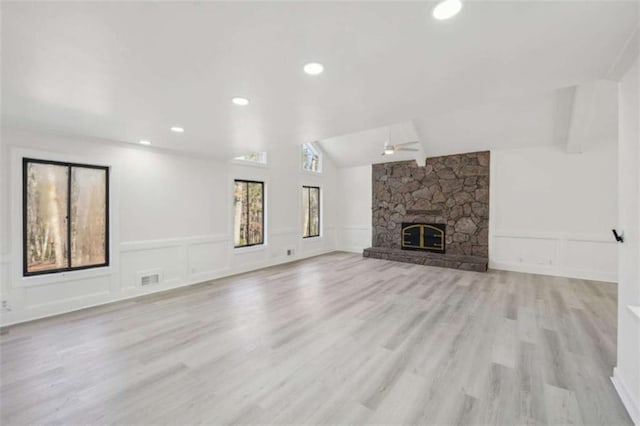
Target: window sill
57	277
249	249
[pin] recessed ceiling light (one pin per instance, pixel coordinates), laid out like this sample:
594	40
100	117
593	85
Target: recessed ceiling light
240	101
313	68
177	129
446	9
145	142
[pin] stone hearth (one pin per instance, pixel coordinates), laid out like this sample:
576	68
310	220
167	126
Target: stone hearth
465	263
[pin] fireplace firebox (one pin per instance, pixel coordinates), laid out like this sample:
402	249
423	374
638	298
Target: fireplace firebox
423	236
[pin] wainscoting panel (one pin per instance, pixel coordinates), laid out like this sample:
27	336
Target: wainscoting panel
248	258
166	259
207	257
592	258
329	238
311	246
5	273
577	256
538	251
353	238
64	292
280	241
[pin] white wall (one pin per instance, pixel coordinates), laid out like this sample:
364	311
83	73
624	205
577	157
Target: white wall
354	229
552	212
169	213
626	376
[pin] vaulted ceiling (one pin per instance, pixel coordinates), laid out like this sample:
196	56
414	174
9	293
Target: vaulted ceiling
127	71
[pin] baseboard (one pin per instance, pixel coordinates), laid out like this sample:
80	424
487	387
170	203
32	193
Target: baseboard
351	249
632	406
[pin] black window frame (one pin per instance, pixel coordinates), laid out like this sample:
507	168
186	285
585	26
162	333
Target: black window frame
309	188
69	268
261	216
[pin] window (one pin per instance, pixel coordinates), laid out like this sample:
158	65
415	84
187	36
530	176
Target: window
248	207
253	157
310	211
311	158
65	216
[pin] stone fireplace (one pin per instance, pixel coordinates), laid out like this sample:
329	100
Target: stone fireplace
412	203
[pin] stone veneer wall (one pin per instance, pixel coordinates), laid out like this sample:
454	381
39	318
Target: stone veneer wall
453	190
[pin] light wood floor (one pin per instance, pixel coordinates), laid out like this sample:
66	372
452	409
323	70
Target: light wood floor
336	339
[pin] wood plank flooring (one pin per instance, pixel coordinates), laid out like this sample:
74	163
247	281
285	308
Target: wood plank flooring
337	339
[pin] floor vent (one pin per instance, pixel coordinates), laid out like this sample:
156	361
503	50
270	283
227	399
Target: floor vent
149	277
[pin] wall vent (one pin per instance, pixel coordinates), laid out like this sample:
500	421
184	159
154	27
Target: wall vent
149	277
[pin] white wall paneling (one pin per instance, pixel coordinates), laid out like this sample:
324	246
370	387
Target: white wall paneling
354	233
39	297
168	260
207	257
5	287
558	254
179	260
354	238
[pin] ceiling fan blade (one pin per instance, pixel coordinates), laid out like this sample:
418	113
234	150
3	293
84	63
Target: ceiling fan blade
407	149
406	143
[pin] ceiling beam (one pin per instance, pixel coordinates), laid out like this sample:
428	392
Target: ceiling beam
627	56
594	108
582	115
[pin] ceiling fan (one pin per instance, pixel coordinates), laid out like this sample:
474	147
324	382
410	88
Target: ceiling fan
390	149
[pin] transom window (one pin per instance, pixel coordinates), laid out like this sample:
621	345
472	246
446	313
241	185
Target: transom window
310	211
311	158
65	216
253	157
248	208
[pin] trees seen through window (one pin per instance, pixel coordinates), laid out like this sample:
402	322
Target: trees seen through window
248	205
310	158
65	216
253	157
310	211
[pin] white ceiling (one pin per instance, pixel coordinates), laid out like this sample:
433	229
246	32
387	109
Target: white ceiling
130	70
522	121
